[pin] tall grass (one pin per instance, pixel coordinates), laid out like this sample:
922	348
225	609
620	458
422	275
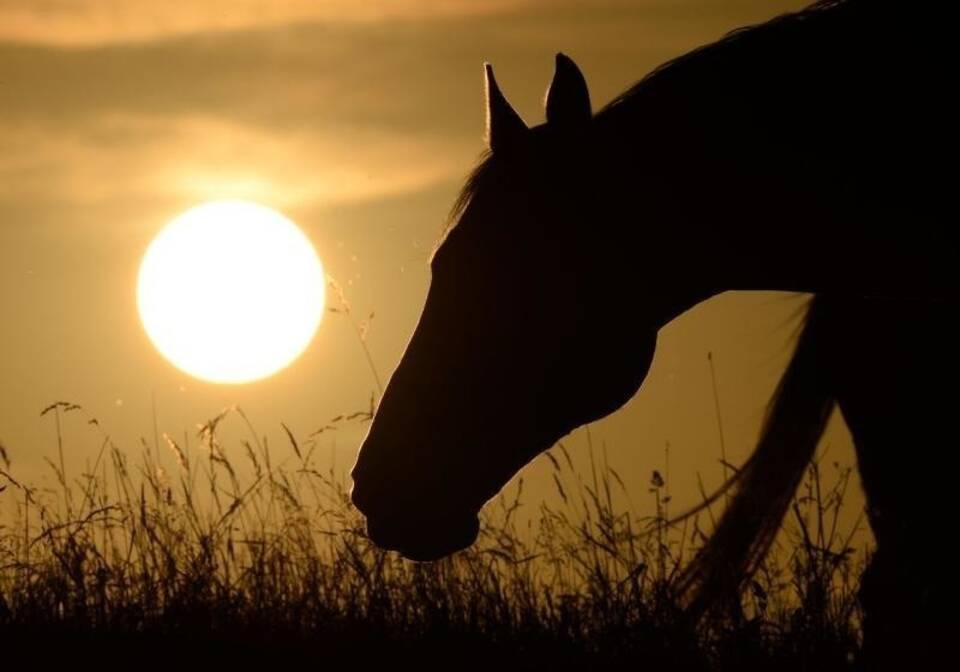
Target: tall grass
259	551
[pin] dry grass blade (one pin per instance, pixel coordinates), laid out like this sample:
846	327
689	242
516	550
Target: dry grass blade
293	441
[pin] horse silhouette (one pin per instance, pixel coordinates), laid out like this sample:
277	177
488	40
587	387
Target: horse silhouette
804	154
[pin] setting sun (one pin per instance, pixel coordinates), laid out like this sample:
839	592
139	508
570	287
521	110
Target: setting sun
230	291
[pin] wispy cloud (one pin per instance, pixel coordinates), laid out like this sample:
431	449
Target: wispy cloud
296	115
93	22
200	158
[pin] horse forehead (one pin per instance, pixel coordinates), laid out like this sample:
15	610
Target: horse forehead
543	132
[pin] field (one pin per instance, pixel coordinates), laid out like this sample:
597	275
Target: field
267	562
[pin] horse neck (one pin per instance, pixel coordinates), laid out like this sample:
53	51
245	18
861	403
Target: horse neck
696	227
689	235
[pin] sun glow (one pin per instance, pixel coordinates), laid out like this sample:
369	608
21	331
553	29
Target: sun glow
230	291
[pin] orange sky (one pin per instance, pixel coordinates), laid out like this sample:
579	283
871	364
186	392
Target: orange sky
359	120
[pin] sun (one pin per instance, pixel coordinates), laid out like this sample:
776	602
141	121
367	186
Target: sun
230	291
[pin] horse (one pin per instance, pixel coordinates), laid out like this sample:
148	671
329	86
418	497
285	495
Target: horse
801	155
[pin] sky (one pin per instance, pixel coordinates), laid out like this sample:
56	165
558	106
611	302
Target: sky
359	121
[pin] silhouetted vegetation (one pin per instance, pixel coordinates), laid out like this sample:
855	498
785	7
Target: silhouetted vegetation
264	559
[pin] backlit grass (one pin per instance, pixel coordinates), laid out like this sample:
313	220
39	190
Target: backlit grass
263	557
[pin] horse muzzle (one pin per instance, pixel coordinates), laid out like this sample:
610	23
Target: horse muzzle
422	534
423	540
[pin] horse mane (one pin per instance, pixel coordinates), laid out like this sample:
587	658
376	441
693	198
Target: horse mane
733	41
477	177
766	483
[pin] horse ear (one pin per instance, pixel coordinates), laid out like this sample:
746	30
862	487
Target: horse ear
568	100
504	125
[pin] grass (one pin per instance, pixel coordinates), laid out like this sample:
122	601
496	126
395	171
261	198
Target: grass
262	558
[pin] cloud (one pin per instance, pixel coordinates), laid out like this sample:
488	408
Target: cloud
300	114
289	116
94	22
192	159
91	23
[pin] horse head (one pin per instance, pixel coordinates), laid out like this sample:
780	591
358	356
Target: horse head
514	348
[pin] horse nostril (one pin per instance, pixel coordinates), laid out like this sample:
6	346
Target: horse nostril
360	498
355	497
